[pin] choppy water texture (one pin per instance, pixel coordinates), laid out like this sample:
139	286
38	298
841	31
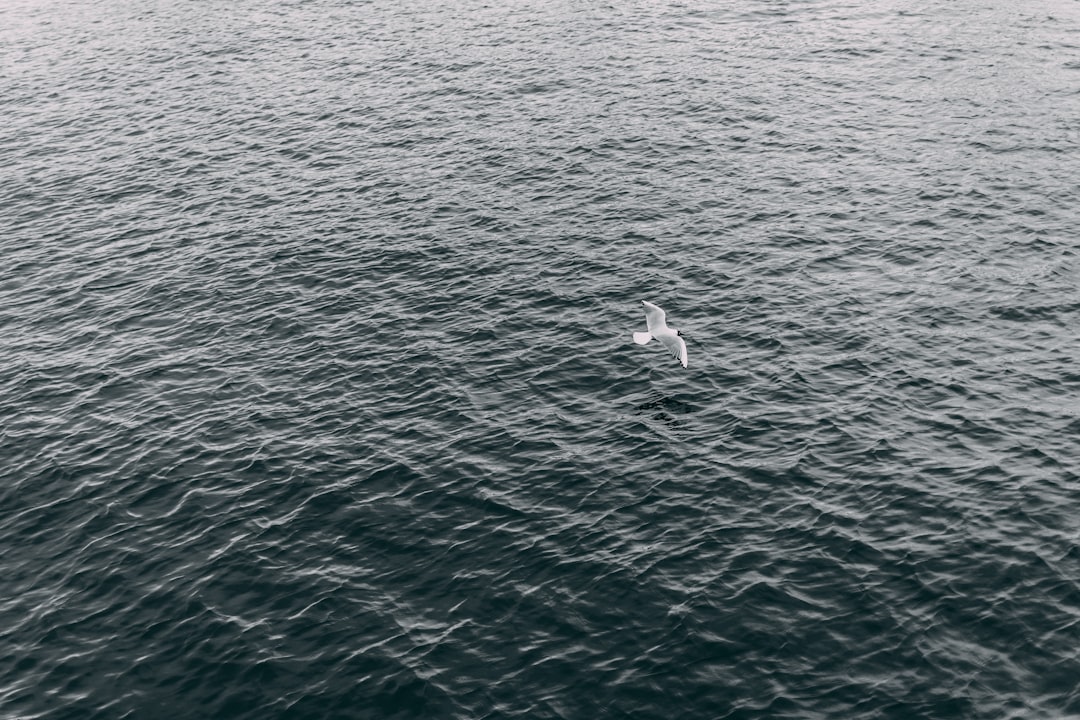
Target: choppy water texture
320	400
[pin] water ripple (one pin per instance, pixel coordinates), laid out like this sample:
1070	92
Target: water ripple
320	395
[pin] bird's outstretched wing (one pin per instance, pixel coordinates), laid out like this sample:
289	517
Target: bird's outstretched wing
654	317
676	346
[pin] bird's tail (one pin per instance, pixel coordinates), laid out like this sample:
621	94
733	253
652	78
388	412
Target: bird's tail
642	338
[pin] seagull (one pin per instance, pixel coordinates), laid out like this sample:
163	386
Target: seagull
669	337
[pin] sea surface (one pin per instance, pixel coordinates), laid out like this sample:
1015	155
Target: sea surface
319	397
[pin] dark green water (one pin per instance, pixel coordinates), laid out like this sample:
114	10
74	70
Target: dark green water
320	399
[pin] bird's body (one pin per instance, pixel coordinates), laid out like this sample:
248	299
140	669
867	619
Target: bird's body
668	337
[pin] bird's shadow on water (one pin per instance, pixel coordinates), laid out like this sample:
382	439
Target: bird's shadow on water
668	409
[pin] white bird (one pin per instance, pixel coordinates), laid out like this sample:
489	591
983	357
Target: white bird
669	337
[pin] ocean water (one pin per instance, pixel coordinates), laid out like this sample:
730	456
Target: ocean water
320	399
